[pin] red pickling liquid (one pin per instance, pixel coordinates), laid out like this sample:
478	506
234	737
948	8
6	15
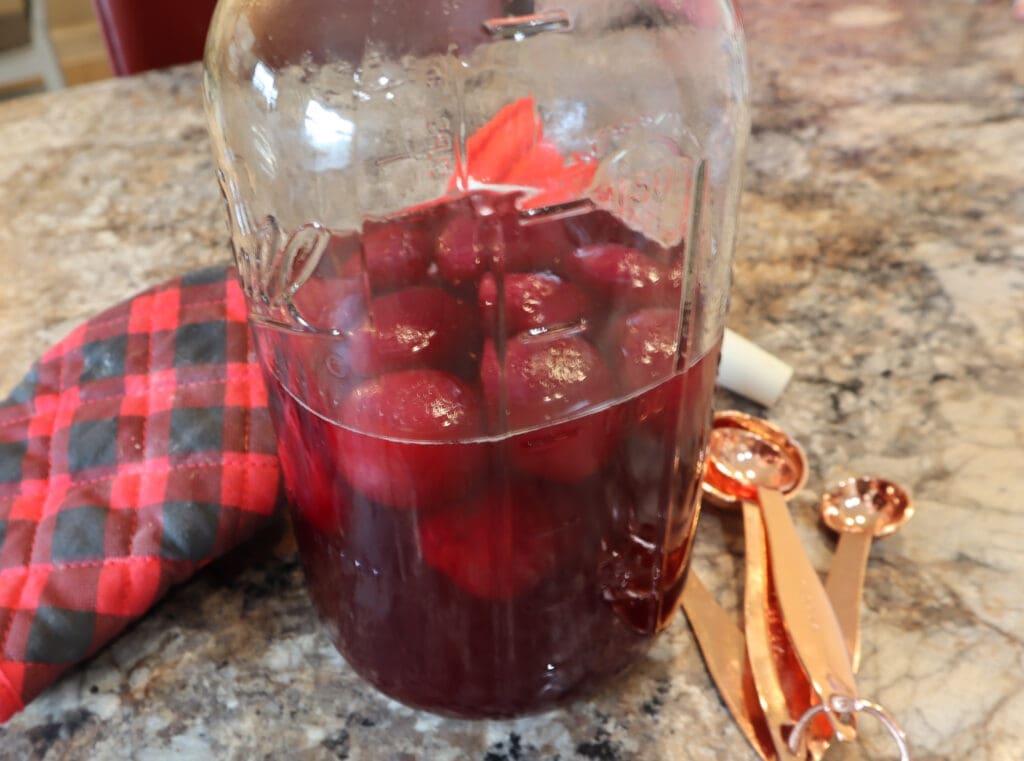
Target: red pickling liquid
492	521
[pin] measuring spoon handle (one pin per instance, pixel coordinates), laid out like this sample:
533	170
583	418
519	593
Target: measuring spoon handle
817	638
763	661
845	587
722	645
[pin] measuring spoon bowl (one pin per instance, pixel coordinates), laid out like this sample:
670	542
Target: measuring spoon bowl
866	505
859	509
745	452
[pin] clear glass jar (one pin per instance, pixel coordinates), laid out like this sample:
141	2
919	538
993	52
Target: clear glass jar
486	247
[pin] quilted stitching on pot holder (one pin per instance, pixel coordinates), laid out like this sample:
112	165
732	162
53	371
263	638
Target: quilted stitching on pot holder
135	451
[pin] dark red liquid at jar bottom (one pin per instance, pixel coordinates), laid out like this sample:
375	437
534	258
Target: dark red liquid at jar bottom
539	551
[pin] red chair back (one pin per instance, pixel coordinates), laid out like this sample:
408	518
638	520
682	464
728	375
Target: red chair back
151	34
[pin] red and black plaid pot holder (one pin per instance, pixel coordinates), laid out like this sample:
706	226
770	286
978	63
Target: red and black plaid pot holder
136	450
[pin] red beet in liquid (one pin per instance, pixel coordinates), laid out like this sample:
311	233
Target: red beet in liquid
492	521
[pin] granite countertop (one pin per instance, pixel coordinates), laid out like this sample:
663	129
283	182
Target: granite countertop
881	252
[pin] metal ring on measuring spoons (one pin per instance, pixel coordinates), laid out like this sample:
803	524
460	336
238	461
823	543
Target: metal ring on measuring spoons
844	706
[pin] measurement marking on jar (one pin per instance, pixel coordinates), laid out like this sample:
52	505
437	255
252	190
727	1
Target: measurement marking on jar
440	152
519	27
555	212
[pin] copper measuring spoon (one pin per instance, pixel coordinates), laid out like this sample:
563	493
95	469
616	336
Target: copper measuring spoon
749	455
752	460
744	451
859	510
722	644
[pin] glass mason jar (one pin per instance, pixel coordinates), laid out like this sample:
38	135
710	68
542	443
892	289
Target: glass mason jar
486	249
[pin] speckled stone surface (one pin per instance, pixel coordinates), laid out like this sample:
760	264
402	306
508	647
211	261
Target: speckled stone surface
881	252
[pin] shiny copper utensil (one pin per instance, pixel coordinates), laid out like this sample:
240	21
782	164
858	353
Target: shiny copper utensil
859	510
725	654
751	461
746	451
766	655
812	625
743	452
756	463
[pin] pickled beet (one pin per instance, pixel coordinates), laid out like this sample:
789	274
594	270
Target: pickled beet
384	447
496	546
421	326
547	382
624	276
462	256
533	300
397	255
546	245
643	353
468	247
644	347
330	303
393	255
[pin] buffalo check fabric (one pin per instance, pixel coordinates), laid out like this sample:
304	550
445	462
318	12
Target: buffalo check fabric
135	451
